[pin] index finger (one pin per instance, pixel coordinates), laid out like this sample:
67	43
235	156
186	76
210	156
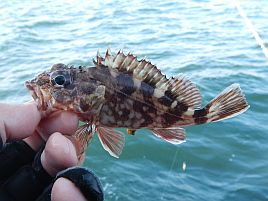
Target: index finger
62	121
18	121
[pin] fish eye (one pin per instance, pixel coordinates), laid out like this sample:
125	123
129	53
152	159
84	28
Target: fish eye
60	80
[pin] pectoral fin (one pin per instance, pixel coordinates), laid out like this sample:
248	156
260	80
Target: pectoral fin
112	141
172	135
83	137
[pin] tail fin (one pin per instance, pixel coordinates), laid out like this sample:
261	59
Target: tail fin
227	104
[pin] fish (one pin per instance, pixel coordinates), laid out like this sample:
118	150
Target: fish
121	91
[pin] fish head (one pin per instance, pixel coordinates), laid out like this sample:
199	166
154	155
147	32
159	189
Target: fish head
45	88
66	88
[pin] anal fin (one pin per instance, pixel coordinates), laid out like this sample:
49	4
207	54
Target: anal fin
171	135
112	141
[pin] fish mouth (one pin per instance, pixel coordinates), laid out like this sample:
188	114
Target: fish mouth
37	94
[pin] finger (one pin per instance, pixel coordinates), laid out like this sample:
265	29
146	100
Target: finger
59	153
34	141
63	122
65	190
18	121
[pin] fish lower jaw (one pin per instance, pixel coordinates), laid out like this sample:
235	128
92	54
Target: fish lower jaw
31	89
42	101
36	94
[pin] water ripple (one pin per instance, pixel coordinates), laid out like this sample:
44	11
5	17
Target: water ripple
206	40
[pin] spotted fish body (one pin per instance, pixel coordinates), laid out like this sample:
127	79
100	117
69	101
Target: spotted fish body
134	104
121	91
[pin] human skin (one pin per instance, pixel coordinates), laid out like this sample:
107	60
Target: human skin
23	121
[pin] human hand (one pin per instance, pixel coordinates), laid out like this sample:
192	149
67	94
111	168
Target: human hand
24	121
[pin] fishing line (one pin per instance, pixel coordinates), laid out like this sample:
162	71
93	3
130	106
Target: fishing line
171	167
174	160
252	29
259	41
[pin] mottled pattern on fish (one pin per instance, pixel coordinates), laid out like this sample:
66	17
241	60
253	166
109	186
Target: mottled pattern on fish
135	104
121	91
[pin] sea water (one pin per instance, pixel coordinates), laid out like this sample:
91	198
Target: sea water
206	40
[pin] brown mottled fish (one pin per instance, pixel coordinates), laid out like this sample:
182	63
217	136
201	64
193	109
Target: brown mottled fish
121	91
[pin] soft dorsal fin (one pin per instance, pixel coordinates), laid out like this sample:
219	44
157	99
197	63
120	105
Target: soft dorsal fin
185	91
180	88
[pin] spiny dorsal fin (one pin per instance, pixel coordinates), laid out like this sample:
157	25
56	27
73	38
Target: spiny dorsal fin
180	88
99	59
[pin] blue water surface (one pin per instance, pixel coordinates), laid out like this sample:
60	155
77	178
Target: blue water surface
207	40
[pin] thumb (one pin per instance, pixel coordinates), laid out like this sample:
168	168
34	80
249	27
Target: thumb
18	121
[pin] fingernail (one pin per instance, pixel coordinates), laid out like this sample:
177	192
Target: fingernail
56	143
